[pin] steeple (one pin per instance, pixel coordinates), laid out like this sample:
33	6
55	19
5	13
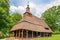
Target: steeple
28	8
27	13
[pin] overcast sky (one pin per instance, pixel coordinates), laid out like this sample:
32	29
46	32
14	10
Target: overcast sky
37	7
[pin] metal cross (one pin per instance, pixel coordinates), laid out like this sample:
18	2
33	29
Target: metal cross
28	2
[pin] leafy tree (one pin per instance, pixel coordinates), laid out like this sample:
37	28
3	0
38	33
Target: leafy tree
4	15
14	18
7	20
52	17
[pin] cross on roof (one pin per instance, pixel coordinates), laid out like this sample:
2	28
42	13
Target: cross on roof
28	2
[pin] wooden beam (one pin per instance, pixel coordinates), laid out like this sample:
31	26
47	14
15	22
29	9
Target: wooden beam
36	34
26	34
32	34
44	34
22	34
40	34
19	33
16	34
13	34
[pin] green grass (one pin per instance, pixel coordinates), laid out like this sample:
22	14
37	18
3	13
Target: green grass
54	37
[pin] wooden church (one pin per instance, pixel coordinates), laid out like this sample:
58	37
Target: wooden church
31	27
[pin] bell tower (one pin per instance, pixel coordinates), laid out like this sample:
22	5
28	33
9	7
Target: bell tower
27	13
27	9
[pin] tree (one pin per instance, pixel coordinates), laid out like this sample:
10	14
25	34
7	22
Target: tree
52	17
7	20
14	18
4	15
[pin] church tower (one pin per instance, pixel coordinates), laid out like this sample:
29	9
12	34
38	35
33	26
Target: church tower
27	9
27	13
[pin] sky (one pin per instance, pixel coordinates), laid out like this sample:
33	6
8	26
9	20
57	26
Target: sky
37	7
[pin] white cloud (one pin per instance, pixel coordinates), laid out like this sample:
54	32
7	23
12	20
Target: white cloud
18	9
13	8
35	10
56	2
21	7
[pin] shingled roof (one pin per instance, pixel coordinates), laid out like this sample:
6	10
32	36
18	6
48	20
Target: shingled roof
30	22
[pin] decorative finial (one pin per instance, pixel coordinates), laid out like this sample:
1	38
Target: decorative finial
28	2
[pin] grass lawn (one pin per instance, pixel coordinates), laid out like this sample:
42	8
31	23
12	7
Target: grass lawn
54	37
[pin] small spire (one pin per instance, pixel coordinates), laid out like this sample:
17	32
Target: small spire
28	8
27	13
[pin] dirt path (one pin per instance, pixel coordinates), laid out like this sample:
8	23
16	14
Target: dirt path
14	39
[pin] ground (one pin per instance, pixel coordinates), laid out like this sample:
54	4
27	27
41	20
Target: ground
54	37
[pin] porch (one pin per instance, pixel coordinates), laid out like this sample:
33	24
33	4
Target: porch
29	34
